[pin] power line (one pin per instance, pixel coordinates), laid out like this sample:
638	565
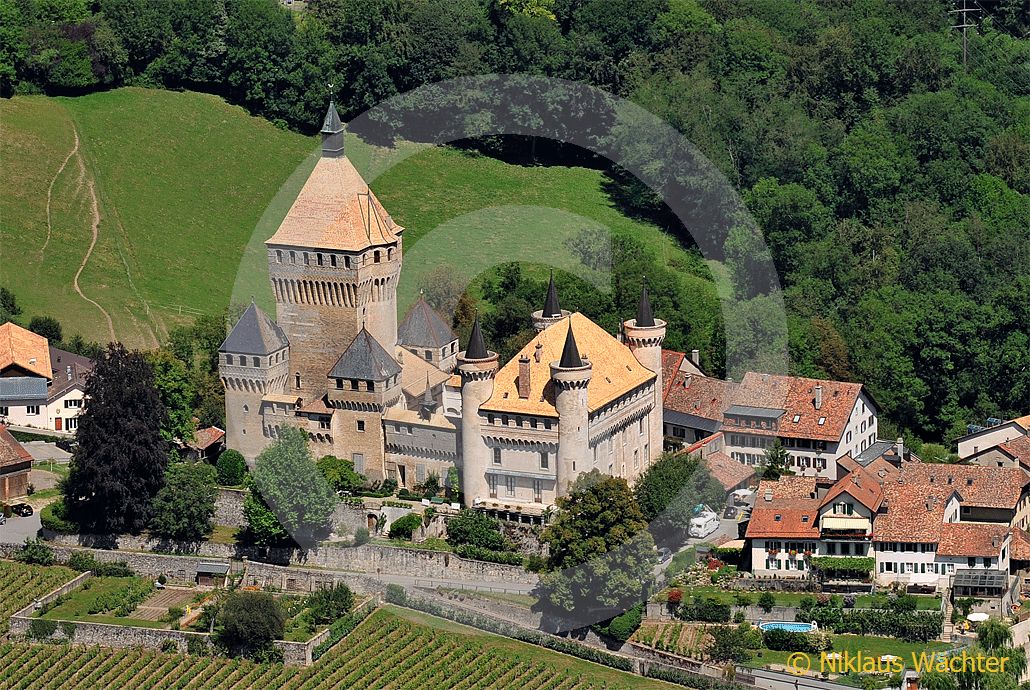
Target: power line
964	12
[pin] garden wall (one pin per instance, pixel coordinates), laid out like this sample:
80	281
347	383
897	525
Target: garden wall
368	558
294	579
106	635
229	507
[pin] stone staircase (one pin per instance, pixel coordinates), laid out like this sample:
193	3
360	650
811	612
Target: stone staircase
948	631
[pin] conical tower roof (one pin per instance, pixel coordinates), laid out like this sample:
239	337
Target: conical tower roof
332	123
476	348
645	317
551	306
254	334
570	358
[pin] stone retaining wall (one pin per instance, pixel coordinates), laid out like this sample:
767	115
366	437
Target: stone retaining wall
368	558
106	635
229	507
294	579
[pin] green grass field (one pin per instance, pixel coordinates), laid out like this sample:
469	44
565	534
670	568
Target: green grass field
187	187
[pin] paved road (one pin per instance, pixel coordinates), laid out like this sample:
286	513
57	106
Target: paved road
41	450
18	529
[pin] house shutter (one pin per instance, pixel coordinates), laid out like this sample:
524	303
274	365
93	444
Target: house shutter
359	463
420	473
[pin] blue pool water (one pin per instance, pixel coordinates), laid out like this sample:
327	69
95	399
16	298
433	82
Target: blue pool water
791	627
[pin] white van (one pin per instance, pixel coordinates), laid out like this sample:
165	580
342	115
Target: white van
703	525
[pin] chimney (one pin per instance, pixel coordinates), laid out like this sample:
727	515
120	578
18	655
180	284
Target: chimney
768	495
818	397
524	377
538	353
901	448
994	541
695	357
686	381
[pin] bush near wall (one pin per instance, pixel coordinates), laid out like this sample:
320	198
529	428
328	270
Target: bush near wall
912	626
477	553
54	517
706	609
843	566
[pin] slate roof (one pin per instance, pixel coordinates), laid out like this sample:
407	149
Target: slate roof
255	334
23	388
61	361
332	123
551	307
423	327
24	349
570	358
365	359
476	347
645	316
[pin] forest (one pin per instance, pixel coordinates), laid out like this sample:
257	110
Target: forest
886	164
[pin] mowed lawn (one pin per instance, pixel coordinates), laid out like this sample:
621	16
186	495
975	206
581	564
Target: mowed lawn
182	180
188	188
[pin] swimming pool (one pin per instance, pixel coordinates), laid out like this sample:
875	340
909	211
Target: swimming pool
788	626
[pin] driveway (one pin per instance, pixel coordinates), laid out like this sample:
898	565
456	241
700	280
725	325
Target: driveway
44	451
18	529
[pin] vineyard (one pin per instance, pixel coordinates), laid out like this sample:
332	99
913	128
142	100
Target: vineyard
684	639
385	651
20	584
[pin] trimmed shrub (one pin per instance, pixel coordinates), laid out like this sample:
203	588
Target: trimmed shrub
624	625
361	536
54	517
707	610
404	527
232	468
766	601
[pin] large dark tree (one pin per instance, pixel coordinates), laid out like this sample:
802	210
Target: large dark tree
119	464
601	554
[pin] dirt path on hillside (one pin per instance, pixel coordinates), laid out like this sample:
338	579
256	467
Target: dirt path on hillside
50	191
95	212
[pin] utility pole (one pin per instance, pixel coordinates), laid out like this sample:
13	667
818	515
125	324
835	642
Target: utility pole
964	25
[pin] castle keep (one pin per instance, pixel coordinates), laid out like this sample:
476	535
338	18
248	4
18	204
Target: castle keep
401	401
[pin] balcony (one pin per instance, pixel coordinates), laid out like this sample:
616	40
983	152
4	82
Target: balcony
845	527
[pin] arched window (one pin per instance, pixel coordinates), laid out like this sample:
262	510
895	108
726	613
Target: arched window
228	359
376	256
332	260
346	262
319	259
293	257
279	255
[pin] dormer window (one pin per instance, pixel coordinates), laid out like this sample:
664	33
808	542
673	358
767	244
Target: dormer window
797	418
804	518
822	420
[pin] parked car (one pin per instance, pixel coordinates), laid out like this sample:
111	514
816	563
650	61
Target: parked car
22	509
664	555
730	512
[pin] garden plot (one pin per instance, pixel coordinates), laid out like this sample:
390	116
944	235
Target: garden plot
156	607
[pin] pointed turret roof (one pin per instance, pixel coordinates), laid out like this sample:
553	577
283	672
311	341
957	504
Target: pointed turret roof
645	317
423	327
255	334
365	359
476	348
332	123
570	358
428	402
551	306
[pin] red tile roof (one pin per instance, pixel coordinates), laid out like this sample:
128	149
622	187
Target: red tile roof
796	397
791	518
728	471
1020	549
204	438
1018	449
911	512
787	486
671	361
861	485
980	487
701	396
11	452
971	539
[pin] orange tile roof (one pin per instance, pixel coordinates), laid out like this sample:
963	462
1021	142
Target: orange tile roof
1018	449
204	438
1020	549
795	395
911	512
861	485
971	539
787	486
1023	421
336	210
615	370
671	361
25	350
728	471
793	518
882	469
11	452
980	487
704	397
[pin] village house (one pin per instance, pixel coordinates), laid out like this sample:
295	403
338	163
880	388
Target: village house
41	386
995	432
817	422
15	465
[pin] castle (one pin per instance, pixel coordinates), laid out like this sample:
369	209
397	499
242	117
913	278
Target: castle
402	401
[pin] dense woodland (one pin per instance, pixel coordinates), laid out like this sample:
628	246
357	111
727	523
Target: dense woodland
890	180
